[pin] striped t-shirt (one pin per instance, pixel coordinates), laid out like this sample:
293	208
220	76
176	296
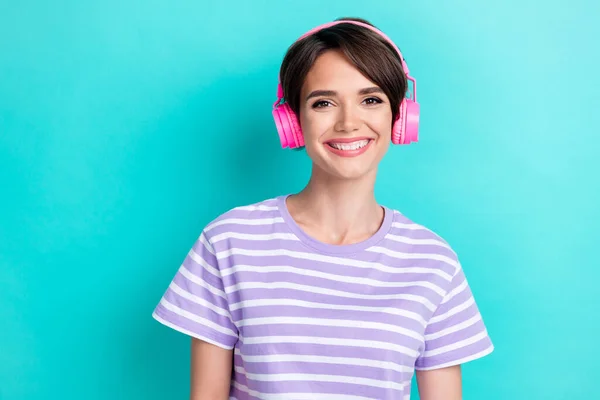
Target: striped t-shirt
309	320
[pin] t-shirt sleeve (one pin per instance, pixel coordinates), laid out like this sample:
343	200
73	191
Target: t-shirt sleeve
456	332
195	302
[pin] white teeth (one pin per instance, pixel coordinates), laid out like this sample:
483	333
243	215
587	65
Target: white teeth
349	146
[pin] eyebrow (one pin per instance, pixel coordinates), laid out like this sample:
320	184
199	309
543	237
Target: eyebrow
331	93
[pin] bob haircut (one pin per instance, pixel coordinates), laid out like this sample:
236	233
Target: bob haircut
369	52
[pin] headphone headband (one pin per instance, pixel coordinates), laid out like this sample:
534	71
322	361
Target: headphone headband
370	27
280	93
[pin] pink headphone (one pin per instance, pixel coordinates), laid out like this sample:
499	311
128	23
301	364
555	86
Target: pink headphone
404	131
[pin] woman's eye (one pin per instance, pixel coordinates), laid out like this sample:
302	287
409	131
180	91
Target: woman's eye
321	104
373	100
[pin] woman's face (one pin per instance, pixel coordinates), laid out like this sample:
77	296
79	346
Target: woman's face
345	118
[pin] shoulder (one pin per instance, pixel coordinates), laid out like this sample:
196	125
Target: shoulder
404	227
408	239
248	218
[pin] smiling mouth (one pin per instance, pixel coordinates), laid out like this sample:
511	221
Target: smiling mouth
346	148
359	144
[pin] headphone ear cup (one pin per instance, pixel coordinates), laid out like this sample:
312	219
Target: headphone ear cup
285	127
411	123
406	127
399	125
295	130
281	125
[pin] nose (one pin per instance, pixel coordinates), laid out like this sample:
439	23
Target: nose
348	120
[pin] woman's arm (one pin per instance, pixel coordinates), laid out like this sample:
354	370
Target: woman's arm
440	384
211	371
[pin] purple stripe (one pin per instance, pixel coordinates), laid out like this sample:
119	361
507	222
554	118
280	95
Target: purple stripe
198	309
202	250
308	312
249	214
201	273
326	351
456	300
335	269
417	248
403	219
455	355
242	210
346	269
250	244
455	319
194	288
414	233
297	245
254	294
323	283
194	327
239	395
199	291
320	368
315	331
248	229
326	387
457	336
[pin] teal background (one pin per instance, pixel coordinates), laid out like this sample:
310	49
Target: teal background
126	126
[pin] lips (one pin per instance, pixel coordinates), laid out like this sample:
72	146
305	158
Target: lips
348	147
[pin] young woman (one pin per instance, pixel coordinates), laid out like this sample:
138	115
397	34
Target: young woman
326	294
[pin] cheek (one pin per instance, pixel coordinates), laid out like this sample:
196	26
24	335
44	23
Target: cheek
313	125
382	123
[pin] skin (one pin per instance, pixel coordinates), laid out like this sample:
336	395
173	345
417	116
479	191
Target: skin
338	204
210	371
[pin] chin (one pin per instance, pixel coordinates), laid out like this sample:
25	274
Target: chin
347	168
351	173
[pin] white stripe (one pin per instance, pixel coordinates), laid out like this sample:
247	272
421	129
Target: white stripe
408	240
314	359
413	256
256	207
456	345
450	295
309	304
206	244
455	328
330	322
200	282
254	236
193	317
202	262
313	289
333	277
299	377
369	344
347	262
411	226
460	360
192	334
244	221
199	300
453	311
296	396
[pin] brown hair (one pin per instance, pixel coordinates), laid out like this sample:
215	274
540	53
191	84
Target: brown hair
370	53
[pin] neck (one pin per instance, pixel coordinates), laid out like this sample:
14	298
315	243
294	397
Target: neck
337	211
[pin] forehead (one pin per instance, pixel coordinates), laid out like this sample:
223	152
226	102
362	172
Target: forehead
333	71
